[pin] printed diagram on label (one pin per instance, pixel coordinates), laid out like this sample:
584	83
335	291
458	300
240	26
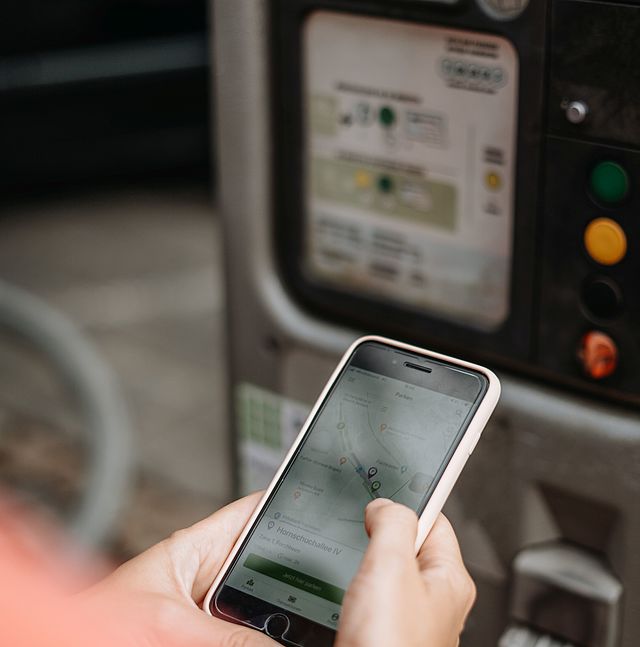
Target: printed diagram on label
409	164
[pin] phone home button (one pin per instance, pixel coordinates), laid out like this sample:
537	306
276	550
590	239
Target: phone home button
276	625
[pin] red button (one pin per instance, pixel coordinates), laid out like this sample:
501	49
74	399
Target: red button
598	354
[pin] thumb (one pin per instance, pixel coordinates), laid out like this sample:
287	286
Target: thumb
392	529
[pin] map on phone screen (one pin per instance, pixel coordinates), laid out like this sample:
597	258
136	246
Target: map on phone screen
372	439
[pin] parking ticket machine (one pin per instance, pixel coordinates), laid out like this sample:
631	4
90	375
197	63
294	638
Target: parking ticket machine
464	175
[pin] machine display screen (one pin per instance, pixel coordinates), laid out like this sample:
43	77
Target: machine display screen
409	164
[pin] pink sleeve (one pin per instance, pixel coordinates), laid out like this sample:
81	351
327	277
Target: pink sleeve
36	607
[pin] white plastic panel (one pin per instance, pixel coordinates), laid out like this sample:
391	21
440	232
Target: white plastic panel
409	164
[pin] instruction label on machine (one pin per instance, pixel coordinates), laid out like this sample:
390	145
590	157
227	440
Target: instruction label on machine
409	164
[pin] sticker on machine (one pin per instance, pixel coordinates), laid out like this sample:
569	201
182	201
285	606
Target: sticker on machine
267	424
410	155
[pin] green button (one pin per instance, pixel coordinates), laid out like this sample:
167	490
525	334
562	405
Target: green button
609	182
387	116
295	578
385	184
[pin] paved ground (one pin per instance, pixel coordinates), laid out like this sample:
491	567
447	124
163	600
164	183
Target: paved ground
138	270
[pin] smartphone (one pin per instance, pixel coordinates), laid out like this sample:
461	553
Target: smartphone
394	421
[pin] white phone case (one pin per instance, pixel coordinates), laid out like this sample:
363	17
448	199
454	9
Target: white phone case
448	478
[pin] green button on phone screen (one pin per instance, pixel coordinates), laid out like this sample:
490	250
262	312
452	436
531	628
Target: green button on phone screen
609	182
295	578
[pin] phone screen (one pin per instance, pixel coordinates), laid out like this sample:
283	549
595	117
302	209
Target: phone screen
387	429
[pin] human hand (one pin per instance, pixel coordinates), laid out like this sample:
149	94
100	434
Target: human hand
162	589
397	598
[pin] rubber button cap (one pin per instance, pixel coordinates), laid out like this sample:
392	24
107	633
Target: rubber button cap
598	354
605	241
609	182
475	442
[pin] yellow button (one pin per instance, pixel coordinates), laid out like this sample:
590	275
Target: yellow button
363	179
605	241
493	180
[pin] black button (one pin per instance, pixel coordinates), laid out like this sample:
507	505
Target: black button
277	625
602	298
